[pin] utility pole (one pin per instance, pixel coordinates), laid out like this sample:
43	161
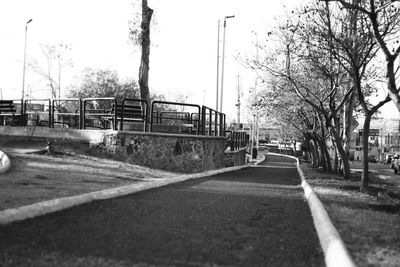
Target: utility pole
239	91
23	72
223	63
217	97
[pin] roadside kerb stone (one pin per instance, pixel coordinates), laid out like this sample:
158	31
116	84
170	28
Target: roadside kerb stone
41	208
335	251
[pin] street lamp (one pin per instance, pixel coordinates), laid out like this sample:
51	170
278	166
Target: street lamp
217	98
23	72
223	62
255	127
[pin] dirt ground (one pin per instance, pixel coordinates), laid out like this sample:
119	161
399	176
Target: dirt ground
33	177
369	224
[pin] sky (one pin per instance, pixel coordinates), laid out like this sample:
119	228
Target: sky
183	56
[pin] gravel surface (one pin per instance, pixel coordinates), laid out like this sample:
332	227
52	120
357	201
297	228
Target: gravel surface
253	217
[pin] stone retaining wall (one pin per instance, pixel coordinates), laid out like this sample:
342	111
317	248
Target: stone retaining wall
183	153
172	152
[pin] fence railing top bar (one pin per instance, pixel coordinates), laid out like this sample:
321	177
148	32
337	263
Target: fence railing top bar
213	110
175	112
205	107
66	99
99	98
37	99
135	99
174	103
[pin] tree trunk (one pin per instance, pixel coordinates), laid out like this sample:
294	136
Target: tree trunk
391	82
336	160
365	135
315	153
325	157
145	42
343	155
347	122
321	155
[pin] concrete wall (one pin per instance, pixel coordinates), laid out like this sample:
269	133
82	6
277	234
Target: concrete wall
173	152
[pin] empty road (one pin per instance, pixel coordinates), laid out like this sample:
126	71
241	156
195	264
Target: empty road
256	216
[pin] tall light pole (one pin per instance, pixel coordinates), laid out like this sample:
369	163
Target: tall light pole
23	72
223	62
255	127
216	100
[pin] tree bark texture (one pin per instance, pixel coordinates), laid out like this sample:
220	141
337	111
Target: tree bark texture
347	122
145	58
343	155
364	175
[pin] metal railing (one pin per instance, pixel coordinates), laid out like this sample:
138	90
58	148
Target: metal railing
105	113
145	110
174	117
238	140
157	112
35	113
62	107
101	113
213	122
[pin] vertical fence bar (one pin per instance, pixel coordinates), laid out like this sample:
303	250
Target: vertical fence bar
115	115
53	111
216	124
210	123
203	120
80	114
84	114
22	113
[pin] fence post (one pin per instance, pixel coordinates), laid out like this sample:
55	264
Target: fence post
210	123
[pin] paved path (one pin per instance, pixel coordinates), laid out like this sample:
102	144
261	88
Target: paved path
256	216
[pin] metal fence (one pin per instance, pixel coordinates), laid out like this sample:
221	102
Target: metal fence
107	113
165	117
213	122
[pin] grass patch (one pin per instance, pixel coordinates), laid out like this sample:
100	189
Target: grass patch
369	223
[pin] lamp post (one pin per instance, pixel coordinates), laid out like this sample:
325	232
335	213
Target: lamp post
255	129
257	115
223	62
23	72
217	98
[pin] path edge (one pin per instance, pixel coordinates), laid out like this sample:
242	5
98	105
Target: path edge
11	215
335	251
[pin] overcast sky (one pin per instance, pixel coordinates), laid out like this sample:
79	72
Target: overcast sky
183	55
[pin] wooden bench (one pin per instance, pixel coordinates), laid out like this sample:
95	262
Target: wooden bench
7	109
131	115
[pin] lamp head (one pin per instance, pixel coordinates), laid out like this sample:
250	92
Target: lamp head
229	17
29	21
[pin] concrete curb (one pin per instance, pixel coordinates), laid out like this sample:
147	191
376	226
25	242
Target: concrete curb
333	246
41	208
5	162
260	160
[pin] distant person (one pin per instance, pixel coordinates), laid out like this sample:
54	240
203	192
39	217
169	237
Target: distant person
396	163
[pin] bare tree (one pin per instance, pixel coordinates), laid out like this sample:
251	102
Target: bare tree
355	49
55	62
384	21
143	39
